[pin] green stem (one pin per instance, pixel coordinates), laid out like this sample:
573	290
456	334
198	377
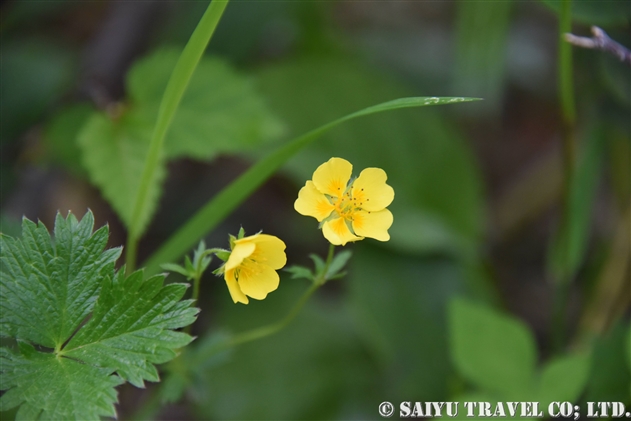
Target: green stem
131	251
195	297
568	111
261	332
329	258
196	288
182	73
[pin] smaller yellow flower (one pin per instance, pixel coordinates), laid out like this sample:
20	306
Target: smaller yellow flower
250	271
348	209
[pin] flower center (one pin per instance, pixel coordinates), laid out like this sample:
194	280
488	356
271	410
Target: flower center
247	269
349	203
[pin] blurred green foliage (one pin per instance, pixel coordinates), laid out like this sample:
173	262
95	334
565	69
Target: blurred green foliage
480	67
497	355
26	92
316	366
60	138
569	246
220	112
609	380
601	13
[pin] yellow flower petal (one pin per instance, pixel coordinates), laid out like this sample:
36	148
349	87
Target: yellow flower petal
269	251
311	202
241	251
370	191
235	292
373	224
332	176
337	232
257	280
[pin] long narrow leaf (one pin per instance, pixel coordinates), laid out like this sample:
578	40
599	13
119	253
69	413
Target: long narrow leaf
173	93
234	194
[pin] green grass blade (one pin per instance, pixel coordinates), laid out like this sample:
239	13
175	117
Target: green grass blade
234	194
173	93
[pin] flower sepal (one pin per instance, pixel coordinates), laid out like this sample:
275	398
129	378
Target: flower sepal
223	255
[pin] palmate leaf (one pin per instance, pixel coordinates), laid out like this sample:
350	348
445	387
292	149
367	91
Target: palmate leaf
48	289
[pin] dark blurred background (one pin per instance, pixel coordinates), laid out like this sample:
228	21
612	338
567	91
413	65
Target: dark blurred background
478	185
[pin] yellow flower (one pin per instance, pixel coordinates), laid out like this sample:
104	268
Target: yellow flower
251	267
347	209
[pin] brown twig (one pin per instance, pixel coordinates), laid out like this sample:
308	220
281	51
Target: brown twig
601	41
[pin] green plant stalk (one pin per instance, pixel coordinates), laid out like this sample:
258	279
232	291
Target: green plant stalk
264	331
198	276
195	296
181	76
234	194
568	112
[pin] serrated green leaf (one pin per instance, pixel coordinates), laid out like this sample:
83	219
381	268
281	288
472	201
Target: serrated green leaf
318	262
338	263
220	112
55	388
188	264
299	272
48	289
175	268
130	327
114	152
338	275
493	351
